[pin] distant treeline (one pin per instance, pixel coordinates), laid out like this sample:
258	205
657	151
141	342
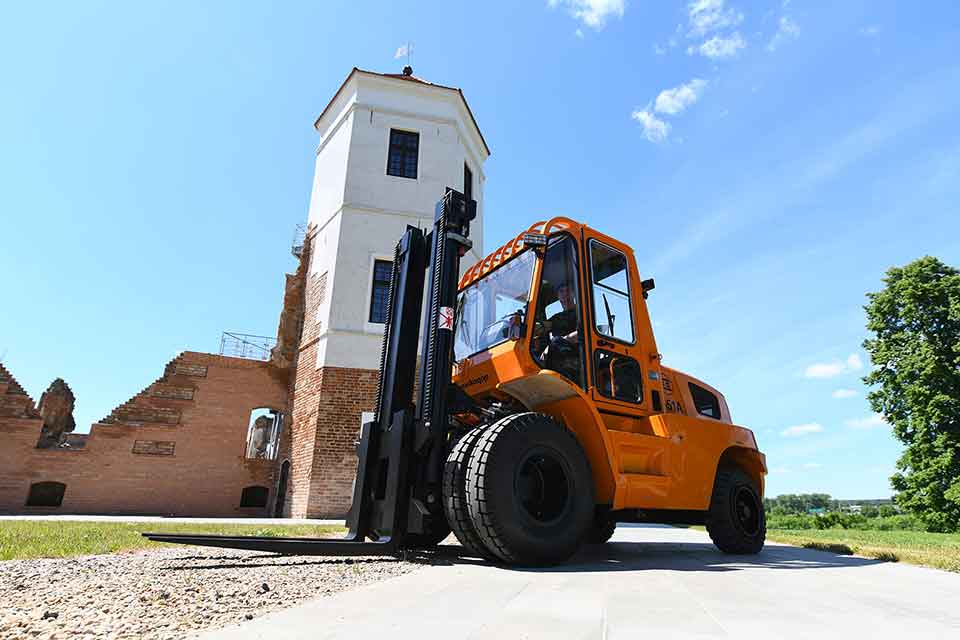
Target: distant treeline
805	503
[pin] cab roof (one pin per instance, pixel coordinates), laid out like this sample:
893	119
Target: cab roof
514	247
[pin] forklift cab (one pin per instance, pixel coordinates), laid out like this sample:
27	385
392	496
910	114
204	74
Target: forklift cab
569	300
602	353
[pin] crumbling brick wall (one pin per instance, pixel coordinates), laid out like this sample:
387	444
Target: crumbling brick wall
326	405
176	448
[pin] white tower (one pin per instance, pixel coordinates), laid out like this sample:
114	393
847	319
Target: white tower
390	145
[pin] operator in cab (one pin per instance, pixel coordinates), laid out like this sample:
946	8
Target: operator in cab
562	353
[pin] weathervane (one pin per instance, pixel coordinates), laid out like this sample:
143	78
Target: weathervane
404	50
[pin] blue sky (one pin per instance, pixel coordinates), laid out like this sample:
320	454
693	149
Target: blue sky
767	161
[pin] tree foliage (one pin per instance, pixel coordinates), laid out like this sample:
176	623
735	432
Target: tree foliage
794	503
915	321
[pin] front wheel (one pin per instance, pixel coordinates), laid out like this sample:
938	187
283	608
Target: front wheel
736	521
529	490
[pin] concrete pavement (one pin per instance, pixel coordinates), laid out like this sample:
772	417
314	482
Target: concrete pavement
649	581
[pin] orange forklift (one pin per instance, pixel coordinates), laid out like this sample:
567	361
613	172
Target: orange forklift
543	414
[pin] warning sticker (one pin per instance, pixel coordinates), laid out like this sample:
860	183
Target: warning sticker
446	318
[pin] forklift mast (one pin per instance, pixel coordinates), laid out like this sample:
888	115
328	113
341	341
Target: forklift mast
400	455
403	450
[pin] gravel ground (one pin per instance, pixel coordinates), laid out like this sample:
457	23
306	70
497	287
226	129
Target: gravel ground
167	593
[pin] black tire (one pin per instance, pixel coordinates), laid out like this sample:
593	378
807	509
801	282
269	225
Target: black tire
736	520
601	531
529	490
455	498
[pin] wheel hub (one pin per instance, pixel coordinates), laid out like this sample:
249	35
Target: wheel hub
543	487
747	511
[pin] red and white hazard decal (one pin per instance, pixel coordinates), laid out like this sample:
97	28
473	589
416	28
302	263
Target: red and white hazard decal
446	318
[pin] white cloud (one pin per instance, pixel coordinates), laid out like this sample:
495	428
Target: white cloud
654	129
786	29
834	368
659	50
592	13
708	16
870	422
870	30
825	369
840	394
579	33
800	430
812	465
719	47
676	100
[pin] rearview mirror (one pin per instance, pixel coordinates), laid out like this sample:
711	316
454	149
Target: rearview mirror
646	286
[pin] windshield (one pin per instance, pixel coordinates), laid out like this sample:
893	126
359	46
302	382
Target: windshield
492	309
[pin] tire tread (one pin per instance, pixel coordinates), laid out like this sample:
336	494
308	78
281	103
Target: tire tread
478	490
454	495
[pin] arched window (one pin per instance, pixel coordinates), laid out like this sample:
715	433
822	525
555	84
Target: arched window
46	494
254	497
263	433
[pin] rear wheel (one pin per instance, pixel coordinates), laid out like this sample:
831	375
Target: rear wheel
736	521
455	498
529	490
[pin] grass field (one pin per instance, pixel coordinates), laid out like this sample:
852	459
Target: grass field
939	550
61	539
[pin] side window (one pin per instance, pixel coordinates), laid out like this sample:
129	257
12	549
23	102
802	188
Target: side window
618	377
402	156
705	402
382	274
557	343
611	292
467	182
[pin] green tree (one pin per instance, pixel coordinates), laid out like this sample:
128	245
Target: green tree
915	351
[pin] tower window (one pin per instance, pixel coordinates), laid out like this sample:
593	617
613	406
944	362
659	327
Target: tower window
402	157
382	274
467	182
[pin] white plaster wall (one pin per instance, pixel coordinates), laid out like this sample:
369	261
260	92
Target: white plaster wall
330	171
323	259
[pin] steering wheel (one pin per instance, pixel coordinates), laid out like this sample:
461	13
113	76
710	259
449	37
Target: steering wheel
559	350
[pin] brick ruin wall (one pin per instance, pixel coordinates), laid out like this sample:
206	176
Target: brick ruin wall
326	408
176	448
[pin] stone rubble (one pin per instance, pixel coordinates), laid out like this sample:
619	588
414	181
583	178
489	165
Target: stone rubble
168	593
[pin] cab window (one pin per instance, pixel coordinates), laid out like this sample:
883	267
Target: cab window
706	402
611	292
557	342
618	377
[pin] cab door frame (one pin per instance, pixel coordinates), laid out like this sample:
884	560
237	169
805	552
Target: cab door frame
596	341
